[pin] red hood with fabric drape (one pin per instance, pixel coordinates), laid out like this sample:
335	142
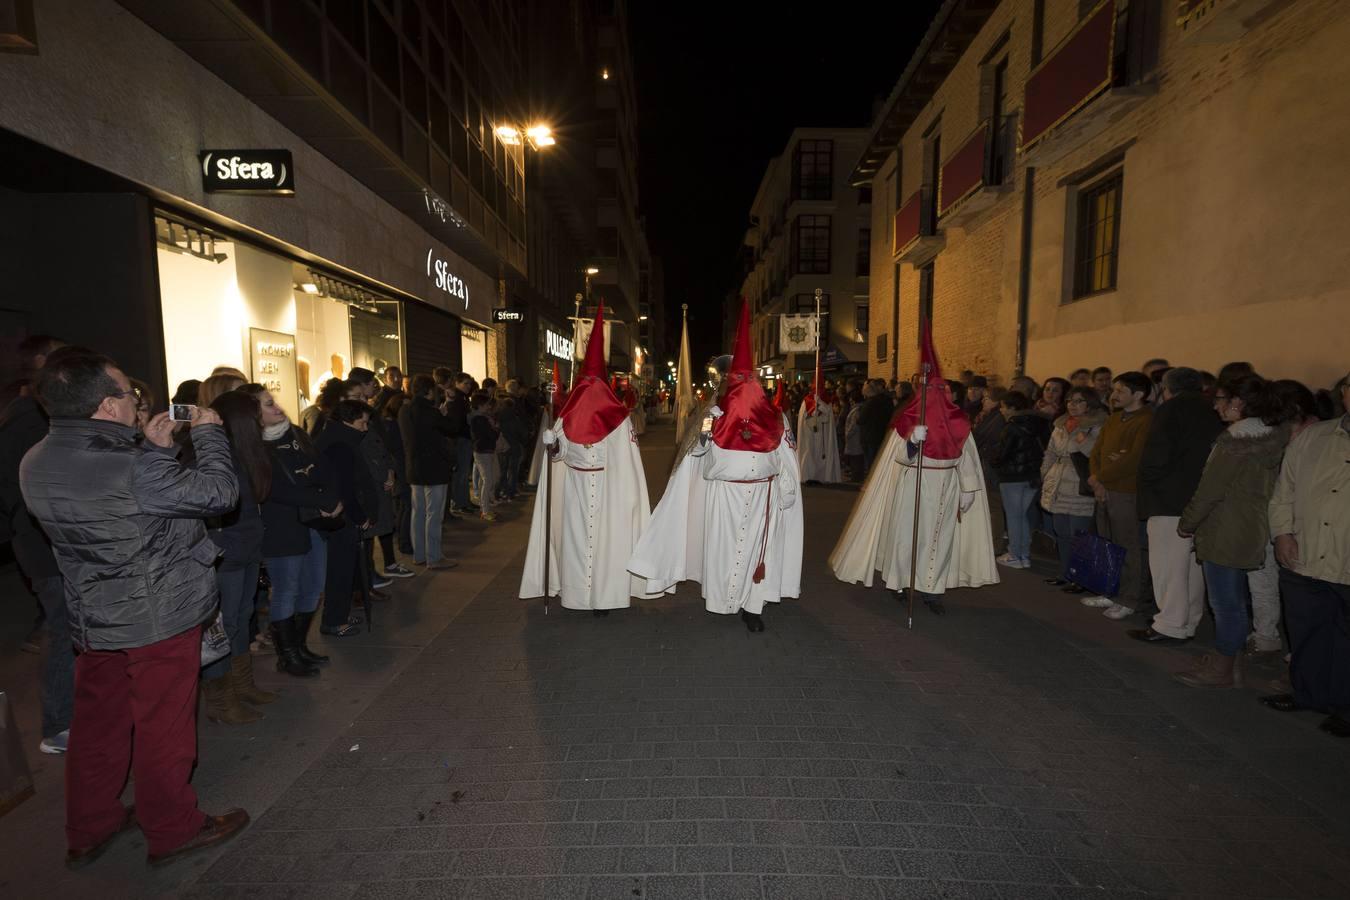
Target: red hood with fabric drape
592	411
948	426
748	421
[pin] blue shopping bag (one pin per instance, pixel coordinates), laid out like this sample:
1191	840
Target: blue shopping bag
1096	564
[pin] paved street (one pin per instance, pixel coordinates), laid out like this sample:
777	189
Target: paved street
475	747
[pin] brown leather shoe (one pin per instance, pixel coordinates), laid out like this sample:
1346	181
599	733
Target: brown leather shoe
215	830
1212	670
79	858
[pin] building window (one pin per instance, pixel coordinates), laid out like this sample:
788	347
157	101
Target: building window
865	195
806	303
812	170
1097	247
863	268
811	245
862	312
881	348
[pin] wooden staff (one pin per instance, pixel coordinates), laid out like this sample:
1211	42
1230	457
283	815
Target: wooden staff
918	490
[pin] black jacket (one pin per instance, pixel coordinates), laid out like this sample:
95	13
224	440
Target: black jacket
485	433
125	521
23	424
873	420
239	533
300	479
340	446
457	411
986	429
1178	444
513	426
424	432
1021	448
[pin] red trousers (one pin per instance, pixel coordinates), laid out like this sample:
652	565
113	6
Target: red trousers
135	710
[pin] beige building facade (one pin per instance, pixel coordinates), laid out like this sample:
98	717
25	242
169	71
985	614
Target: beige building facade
1060	184
810	230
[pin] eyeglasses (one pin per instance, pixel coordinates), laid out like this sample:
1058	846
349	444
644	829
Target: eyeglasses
130	392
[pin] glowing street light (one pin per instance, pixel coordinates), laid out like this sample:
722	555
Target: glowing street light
537	135
592	270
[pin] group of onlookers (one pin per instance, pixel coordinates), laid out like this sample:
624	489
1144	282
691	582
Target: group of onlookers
156	543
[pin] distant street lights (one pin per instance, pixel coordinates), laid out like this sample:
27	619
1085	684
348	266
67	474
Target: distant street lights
537	136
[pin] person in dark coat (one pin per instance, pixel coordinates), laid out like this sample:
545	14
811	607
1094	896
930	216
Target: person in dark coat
428	437
1016	460
986	425
514	428
125	522
301	506
873	422
456	409
1179	440
340	446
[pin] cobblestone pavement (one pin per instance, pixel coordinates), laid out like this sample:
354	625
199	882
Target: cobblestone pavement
664	752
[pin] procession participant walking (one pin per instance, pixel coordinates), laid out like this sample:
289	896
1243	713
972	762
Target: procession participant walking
592	504
817	446
731	516
951	528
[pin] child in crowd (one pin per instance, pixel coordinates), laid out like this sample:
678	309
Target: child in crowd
484	433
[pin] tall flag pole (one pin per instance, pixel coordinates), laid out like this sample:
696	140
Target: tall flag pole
576	343
684	380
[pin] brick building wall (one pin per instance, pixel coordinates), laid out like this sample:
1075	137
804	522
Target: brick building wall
1231	233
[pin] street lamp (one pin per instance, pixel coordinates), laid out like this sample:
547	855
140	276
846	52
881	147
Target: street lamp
538	135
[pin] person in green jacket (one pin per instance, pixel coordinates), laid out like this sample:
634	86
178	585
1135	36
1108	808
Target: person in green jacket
1228	517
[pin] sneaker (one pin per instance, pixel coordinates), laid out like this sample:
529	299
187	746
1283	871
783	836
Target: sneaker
1007	559
1118	611
1097	602
398	570
56	744
441	564
380	581
488	517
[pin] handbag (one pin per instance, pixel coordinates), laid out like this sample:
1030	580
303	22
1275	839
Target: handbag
1083	467
215	642
1095	563
312	516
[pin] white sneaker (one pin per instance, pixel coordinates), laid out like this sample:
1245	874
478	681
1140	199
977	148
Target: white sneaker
1097	602
1118	612
1012	562
56	744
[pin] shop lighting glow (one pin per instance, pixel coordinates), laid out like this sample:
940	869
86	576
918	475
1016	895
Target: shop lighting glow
309	287
592	270
604	74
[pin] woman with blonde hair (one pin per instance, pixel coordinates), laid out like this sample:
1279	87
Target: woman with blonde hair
222	381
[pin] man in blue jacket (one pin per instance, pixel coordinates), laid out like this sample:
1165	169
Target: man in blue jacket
125	523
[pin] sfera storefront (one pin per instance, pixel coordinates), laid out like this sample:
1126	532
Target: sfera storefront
292	325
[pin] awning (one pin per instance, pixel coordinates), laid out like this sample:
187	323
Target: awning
1071	76
963	172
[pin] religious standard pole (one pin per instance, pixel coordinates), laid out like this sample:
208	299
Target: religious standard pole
815	376
918	481
576	344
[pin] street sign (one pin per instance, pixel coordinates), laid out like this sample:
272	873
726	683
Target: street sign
508	314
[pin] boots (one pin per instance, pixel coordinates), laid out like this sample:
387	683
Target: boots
241	673
302	621
223	706
288	653
1213	670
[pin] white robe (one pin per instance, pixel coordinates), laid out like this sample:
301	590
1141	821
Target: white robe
955	550
710	527
638	416
540	452
818	445
597	519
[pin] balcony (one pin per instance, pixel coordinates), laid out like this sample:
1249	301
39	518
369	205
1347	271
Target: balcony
1091	79
977	174
1221	21
916	237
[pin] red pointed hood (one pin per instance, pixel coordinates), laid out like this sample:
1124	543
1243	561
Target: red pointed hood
947	424
778	396
817	391
592	411
748	420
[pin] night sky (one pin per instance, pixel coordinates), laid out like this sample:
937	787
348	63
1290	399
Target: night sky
718	94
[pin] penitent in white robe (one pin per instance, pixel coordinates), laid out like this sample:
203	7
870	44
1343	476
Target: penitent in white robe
712	524
955	549
600	508
818	445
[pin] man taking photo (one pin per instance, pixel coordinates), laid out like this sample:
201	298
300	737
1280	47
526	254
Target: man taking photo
125	523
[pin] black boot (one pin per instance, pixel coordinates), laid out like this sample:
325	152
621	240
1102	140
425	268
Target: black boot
302	621
754	622
288	654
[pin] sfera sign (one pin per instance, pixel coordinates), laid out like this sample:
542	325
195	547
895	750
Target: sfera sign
438	270
507	314
267	172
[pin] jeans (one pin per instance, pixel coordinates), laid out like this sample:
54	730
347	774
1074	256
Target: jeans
459	481
1228	599
1317	617
58	660
344	562
238	585
135	711
485	479
1264	586
298	581
428	514
1018	498
1067	527
998	524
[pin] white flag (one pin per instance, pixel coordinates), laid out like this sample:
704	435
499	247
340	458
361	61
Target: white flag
582	332
684	386
797	333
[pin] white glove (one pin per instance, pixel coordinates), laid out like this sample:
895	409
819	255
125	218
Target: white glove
919	435
715	412
967	500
